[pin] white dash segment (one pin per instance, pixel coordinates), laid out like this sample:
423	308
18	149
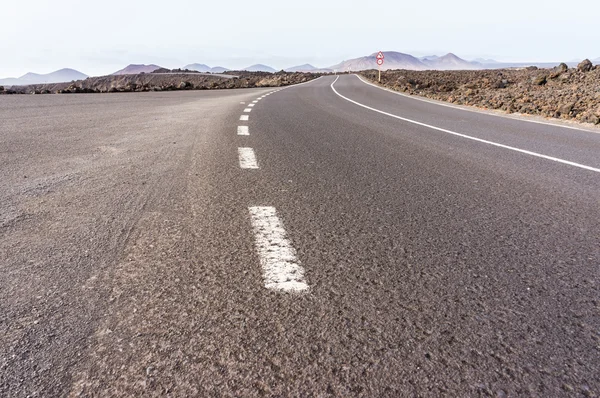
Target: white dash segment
281	269
251	105
255	102
242	102
244	117
243	130
248	110
247	158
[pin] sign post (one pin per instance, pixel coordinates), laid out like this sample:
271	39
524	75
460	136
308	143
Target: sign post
380	58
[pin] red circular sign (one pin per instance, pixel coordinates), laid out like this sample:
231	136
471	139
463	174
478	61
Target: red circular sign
380	61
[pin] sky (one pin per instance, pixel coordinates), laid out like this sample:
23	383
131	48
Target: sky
100	37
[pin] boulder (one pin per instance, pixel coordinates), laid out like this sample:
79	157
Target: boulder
1	88
562	67
566	108
539	80
585	66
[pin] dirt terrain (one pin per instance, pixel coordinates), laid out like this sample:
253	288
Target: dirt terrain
165	81
560	92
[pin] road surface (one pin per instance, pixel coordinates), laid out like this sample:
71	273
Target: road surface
326	239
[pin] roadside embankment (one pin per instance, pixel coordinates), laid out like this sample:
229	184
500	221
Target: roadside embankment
165	82
560	92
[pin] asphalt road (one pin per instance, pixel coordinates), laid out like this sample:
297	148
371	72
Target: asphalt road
349	242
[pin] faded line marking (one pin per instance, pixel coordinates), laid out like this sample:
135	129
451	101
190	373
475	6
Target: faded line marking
496	144
244	117
247	158
281	269
243	130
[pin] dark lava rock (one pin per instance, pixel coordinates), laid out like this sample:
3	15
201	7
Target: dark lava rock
557	92
540	80
585	66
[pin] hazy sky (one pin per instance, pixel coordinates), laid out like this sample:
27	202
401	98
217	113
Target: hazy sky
101	36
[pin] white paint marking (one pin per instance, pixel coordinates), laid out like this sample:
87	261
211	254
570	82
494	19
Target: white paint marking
244	117
467	109
255	102
243	130
247	158
242	102
281	268
251	105
248	110
539	155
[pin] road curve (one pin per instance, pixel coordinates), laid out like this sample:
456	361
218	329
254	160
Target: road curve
326	239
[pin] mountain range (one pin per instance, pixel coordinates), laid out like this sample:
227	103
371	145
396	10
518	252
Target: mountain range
62	75
392	60
205	68
135	69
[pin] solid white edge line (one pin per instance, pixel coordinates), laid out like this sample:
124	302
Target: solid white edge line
243	130
466	109
539	155
281	269
244	117
247	158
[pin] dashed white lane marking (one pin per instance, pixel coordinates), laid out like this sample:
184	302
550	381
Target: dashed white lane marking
251	105
247	158
255	102
248	110
281	269
244	117
539	155
243	130
242	102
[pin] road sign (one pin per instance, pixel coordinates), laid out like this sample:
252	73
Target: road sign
380	58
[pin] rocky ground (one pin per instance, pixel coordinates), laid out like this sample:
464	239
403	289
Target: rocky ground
165	81
561	92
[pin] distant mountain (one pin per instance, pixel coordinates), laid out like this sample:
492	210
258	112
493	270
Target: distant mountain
205	68
259	68
450	62
59	76
485	61
198	67
396	60
393	60
302	68
218	69
597	60
134	69
308	68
